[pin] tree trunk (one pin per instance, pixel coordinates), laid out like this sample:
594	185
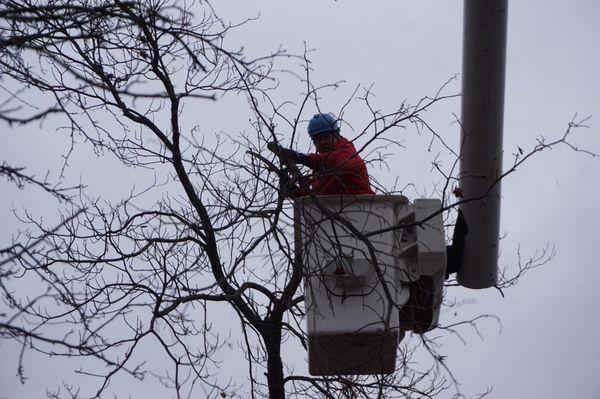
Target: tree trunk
272	337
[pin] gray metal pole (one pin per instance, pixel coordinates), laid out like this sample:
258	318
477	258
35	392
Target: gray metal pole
484	60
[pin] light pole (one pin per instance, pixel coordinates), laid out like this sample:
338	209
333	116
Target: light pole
482	114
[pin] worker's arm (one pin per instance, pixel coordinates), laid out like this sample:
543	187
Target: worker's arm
339	158
286	153
343	157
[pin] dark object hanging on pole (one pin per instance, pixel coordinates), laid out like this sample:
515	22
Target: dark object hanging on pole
454	252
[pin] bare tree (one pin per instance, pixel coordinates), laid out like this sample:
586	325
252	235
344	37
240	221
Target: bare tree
112	280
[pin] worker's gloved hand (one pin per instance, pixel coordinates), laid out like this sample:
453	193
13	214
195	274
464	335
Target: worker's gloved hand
275	148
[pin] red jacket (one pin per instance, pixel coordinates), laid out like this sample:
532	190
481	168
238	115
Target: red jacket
341	171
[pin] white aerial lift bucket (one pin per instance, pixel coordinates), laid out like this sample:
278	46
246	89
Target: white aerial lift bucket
366	278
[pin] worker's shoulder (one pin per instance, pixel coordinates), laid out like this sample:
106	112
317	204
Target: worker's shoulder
343	144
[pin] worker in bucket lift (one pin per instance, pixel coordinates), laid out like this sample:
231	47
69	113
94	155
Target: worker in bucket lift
337	167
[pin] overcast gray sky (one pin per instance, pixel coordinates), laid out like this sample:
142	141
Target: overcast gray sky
547	346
